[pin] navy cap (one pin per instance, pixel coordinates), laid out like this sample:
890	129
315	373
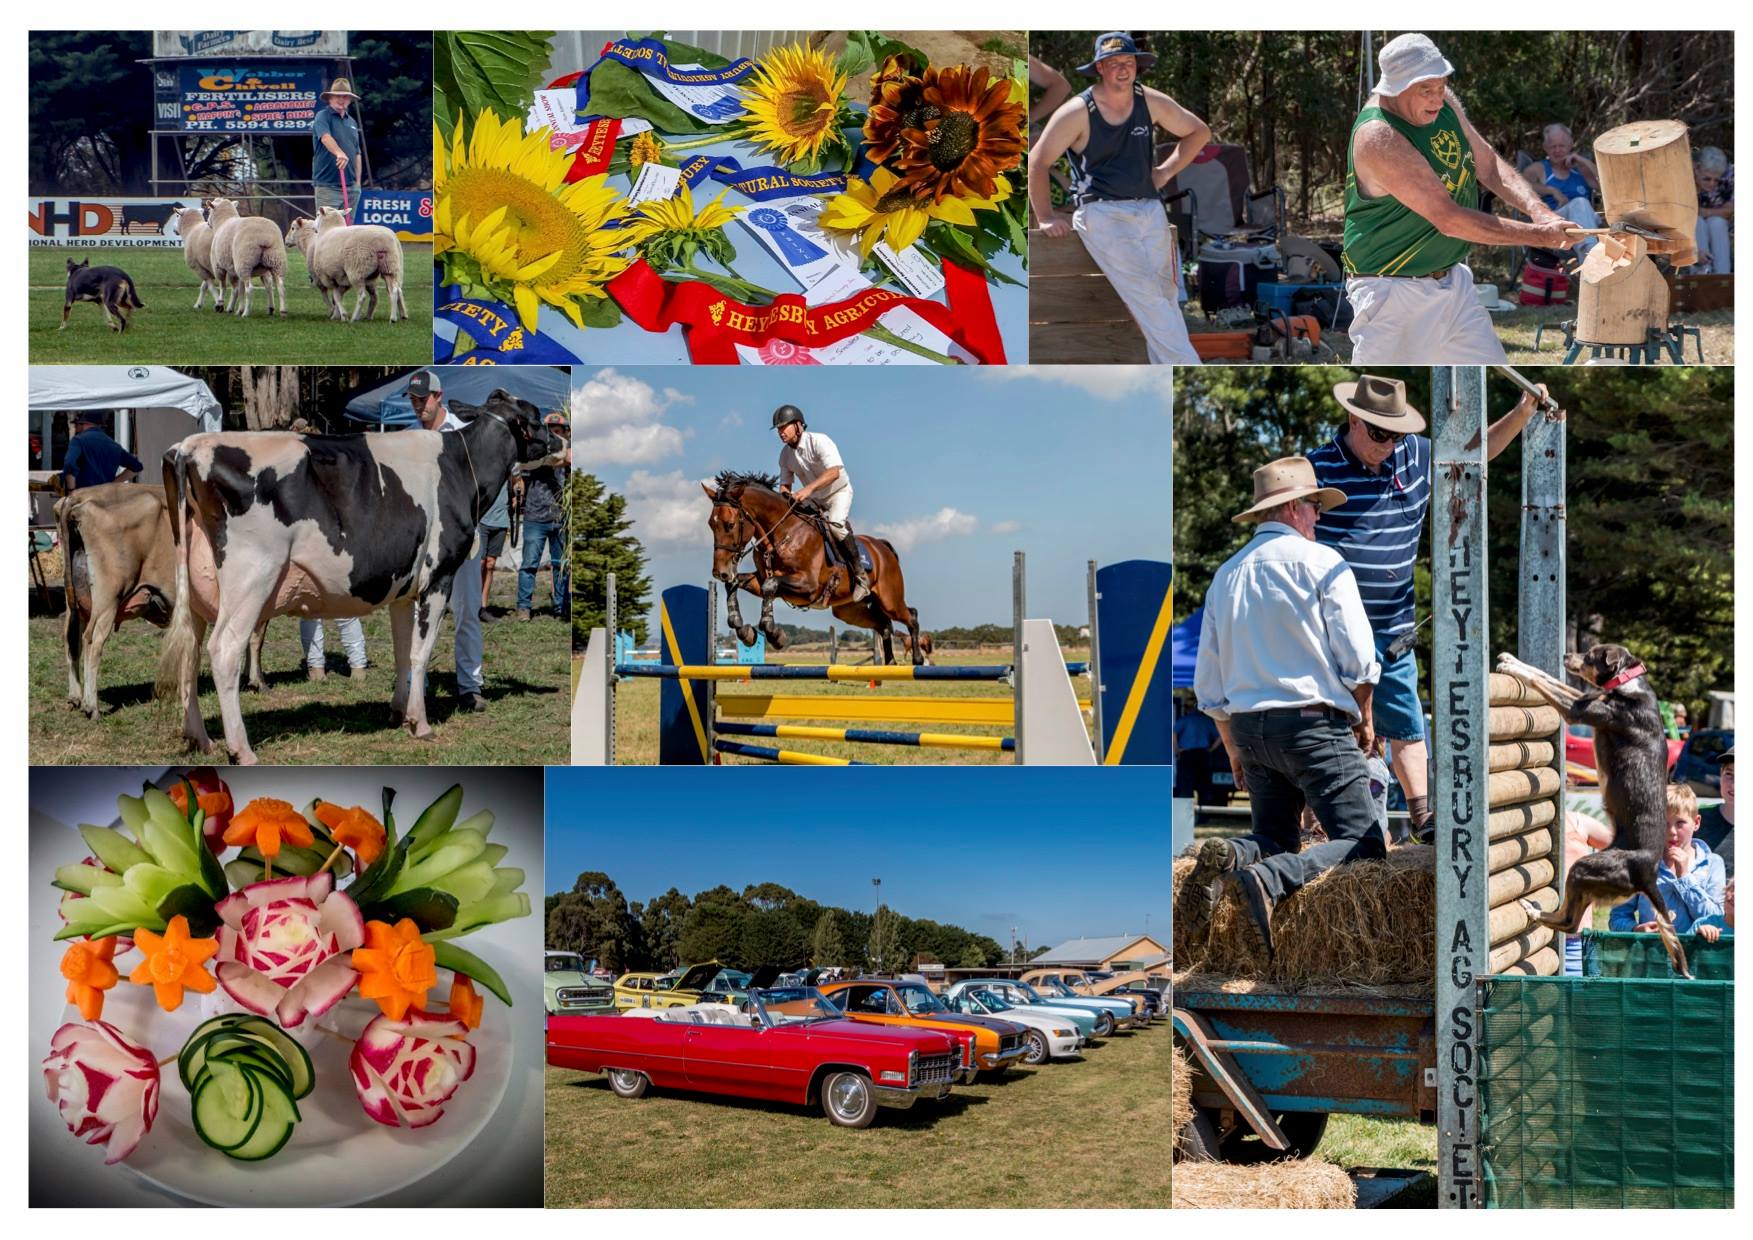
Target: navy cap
1116	43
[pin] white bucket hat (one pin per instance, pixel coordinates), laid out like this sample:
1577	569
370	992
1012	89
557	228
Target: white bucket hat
1406	61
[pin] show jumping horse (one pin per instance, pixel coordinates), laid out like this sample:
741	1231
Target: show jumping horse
791	563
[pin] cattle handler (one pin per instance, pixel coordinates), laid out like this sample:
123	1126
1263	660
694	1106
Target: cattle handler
1413	173
811	458
425	391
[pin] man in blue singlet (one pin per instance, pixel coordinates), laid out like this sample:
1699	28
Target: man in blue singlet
1107	133
1566	181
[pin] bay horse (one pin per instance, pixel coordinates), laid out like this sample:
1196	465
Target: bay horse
792	563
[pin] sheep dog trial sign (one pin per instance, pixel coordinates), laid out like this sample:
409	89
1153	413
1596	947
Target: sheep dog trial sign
405	212
121	222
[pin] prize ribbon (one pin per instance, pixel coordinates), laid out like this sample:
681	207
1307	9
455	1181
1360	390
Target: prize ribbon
494	327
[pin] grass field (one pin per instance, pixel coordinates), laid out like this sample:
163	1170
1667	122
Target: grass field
169	331
334	721
636	712
1087	1133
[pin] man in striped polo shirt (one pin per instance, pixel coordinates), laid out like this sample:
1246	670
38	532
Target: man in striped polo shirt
1383	464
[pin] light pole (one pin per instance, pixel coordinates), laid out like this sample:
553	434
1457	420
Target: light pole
876	913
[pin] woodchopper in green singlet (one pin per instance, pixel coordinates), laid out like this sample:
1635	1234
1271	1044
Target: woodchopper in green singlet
1414	169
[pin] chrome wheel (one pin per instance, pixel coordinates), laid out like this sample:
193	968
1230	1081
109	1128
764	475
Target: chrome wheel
848	1100
626	1083
1104	1024
1038	1051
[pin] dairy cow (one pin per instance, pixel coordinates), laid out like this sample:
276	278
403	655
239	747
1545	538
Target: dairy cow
274	523
118	563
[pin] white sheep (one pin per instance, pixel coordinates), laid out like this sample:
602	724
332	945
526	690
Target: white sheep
245	247
342	256
197	237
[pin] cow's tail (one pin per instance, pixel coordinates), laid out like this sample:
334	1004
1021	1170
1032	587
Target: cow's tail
179	655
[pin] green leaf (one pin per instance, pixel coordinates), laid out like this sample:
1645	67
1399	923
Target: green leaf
192	902
598	311
459	960
112	848
873	47
430	908
478	70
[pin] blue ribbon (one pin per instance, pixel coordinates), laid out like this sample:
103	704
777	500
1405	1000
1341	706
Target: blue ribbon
494	327
796	248
760	182
652	58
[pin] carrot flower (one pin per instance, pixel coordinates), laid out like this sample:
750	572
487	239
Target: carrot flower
465	1004
355	828
396	966
264	822
174	963
89	973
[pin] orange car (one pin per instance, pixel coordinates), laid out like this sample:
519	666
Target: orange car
997	1043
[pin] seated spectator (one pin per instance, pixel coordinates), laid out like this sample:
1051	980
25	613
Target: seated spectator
1690	878
1716	826
1712	928
1195	734
1715	178
1566	181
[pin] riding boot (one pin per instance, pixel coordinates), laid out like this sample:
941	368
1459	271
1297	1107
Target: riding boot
855	565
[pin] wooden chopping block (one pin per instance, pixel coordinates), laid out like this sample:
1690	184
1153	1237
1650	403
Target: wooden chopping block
1621	295
1646	180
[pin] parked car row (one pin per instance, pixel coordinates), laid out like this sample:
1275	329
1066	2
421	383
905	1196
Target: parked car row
851	1046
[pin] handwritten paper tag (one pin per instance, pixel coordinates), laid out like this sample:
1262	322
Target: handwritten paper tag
911	267
656	183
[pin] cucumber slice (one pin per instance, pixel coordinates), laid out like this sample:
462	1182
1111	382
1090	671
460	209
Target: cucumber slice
193	1054
279	1117
291	1051
261	1058
230	1104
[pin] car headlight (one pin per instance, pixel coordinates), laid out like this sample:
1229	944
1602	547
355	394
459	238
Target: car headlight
1062	1033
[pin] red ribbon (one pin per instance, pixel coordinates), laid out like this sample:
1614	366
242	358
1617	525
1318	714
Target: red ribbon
592	158
714	324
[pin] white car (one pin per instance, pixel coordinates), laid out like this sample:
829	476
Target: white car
1051	1035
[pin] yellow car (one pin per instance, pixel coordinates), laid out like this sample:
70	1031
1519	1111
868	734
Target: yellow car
660	990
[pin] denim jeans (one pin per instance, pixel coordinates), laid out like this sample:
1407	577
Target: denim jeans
536	534
1290	759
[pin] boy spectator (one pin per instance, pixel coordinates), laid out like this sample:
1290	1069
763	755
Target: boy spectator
1690	878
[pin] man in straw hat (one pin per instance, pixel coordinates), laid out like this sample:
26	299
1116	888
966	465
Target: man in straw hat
334	134
1286	669
1107	133
1379	460
1413	173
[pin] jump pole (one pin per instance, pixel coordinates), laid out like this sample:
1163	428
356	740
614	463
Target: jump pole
1131	608
1474	825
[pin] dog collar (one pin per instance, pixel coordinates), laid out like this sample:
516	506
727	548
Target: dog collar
1629	674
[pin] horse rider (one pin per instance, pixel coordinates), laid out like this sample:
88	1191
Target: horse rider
811	458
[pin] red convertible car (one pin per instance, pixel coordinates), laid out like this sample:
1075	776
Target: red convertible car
786	1044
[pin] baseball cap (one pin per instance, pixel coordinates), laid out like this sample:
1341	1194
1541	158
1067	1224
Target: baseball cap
423	383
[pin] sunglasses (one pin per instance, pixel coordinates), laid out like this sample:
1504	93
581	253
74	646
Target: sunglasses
1381	436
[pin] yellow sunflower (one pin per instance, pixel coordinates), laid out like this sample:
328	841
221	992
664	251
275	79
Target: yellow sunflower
793	103
676	215
883	209
505	219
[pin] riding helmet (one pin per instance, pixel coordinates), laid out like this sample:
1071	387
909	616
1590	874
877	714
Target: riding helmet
788	413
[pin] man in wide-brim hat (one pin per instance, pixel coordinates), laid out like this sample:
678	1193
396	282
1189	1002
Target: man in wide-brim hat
334	135
1380	460
1107	135
1286	669
1414	168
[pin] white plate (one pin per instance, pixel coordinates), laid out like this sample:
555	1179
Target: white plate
338	1155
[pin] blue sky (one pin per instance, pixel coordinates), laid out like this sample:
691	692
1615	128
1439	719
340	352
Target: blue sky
1057	852
959	467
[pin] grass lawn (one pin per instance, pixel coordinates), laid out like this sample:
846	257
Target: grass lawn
1089	1133
335	721
169	331
636	712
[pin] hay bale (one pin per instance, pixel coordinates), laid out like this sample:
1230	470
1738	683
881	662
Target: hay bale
1370	923
1303	1184
1180	1098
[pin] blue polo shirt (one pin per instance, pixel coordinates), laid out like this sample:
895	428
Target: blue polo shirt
93	458
345	131
1380	527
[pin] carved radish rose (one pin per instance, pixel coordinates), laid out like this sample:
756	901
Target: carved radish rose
282	947
105	1086
406	1070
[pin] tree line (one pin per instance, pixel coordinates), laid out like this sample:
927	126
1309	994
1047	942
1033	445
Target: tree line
1649	502
764	923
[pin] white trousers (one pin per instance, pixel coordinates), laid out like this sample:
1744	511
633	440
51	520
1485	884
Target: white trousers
1582	213
310	633
1712	235
837	508
1133	245
465	602
1421	322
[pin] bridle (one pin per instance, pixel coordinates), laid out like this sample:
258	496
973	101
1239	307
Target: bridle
763	542
484	412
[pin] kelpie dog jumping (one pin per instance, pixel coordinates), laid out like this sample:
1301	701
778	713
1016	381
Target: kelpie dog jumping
110	287
1632	751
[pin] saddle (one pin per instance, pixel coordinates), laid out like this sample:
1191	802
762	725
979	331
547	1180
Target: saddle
834	560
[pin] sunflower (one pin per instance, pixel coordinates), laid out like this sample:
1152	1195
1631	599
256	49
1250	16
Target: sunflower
897	102
974	133
793	104
505	219
883	209
676	215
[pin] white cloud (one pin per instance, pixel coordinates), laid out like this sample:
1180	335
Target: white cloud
667	509
1006	527
617	420
916	531
1101	382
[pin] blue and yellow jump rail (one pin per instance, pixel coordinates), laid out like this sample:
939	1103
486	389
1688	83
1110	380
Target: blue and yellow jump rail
1128	709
